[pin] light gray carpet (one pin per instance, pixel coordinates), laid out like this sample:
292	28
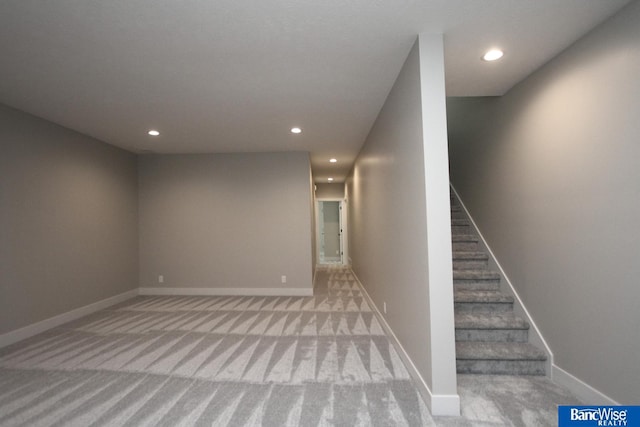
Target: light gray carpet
240	361
272	361
506	400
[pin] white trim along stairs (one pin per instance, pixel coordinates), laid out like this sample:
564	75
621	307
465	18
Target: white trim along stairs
490	337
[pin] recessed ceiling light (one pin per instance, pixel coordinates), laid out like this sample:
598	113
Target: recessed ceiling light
493	54
333	160
153	132
329	179
296	130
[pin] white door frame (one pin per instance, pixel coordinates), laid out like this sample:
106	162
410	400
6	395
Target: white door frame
343	220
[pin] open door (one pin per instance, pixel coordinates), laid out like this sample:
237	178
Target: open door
330	232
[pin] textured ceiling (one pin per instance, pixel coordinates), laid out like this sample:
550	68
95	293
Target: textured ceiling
235	76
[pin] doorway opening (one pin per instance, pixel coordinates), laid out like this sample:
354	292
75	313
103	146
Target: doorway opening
330	235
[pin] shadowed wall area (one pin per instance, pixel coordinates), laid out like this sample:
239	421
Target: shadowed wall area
68	220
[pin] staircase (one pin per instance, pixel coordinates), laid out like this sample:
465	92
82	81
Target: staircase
490	338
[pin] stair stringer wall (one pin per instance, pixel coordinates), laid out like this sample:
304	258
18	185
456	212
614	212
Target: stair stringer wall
535	336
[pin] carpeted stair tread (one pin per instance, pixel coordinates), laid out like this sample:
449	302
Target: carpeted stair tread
463	242
476	286
469	350
457	213
463	238
489	321
475	275
471	296
490	338
469	255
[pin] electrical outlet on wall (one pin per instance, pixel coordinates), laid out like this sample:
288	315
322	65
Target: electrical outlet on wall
284	279
161	279
384	307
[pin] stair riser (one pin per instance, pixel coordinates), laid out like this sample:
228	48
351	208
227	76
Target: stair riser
464	246
501	367
492	335
494	341
476	286
470	264
495	282
483	307
460	229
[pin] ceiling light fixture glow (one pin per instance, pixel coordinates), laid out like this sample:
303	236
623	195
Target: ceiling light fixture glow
329	179
153	132
333	160
296	130
493	54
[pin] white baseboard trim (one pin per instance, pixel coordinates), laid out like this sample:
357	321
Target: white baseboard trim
52	322
445	405
589	395
284	292
438	404
535	335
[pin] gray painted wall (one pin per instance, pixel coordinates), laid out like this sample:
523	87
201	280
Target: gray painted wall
329	191
225	220
387	234
388	221
68	222
551	174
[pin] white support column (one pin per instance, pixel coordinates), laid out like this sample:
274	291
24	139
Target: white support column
445	399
